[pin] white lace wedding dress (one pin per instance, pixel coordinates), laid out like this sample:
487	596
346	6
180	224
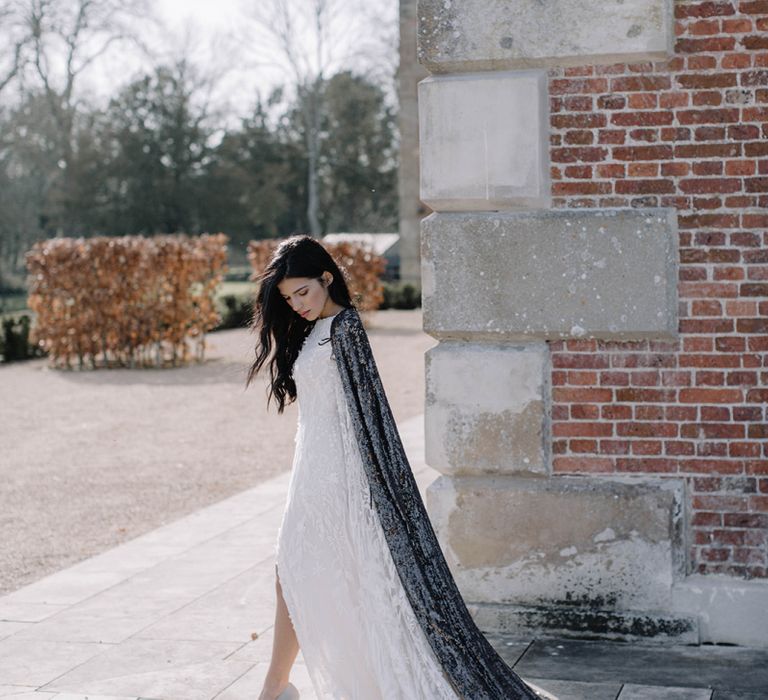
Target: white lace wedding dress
357	631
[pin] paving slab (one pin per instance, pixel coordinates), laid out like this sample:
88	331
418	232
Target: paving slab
577	690
171	670
186	612
651	692
725	668
37	662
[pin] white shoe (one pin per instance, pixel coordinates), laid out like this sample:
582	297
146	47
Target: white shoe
290	693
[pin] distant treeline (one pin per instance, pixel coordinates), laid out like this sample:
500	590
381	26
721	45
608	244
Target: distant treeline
157	160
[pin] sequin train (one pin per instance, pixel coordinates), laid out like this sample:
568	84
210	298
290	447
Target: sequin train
474	668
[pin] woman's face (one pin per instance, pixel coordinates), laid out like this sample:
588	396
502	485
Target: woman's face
305	295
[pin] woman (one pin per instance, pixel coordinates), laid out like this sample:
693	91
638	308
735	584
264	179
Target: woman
362	585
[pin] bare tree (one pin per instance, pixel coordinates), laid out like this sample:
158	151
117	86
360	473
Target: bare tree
65	39
14	34
308	41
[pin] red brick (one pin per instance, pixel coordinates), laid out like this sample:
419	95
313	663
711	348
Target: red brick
644	186
718	360
577	86
585	412
754	78
706	116
754	42
752	325
737	26
679	203
728	273
643	100
699	81
712	466
705	45
739	167
611	102
643	153
581	446
724	150
640	83
701	62
590	395
705	185
700	203
707	308
581	429
756	184
709	220
581	188
709	133
635	395
758	521
579	137
614	447
709	378
578	103
743	132
704	28
704	9
611	170
578	154
612	136
643	169
736	60
708	98
582	464
580	377
648	135
677	168
679	448
648	464
579	70
755	7
696	395
616	412
754	220
755	150
578	121
708	167
701	518
669	100
578	171
642	118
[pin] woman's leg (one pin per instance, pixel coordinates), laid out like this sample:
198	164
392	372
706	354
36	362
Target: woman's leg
285	648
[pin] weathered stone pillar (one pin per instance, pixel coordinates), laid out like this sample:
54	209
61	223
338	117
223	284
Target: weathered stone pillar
410	72
501	275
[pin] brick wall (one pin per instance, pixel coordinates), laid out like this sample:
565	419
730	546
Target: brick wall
689	133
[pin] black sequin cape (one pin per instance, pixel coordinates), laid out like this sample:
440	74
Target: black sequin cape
471	664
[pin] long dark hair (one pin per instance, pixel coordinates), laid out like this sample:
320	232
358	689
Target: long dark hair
275	321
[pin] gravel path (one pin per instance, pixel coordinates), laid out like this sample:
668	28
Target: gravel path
91	459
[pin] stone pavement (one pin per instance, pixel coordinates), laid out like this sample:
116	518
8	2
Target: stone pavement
185	613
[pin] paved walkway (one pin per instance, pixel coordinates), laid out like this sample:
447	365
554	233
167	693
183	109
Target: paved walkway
185	613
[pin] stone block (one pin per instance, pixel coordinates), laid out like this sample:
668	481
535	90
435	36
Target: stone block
478	35
730	610
565	542
484	141
485	408
553	274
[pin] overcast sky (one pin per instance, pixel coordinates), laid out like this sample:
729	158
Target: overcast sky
221	40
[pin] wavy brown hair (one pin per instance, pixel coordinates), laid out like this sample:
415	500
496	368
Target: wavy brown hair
280	327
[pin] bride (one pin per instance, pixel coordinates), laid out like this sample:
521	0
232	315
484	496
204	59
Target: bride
362	585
